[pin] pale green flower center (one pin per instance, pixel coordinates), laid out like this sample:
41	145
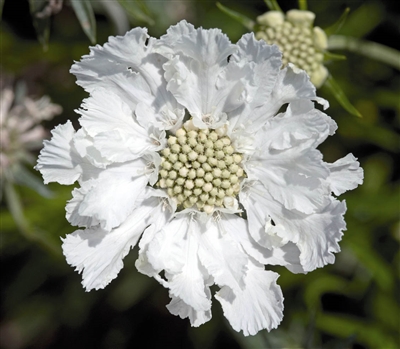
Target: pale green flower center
300	42
200	168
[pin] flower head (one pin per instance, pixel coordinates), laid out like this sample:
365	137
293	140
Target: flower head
21	131
300	42
180	136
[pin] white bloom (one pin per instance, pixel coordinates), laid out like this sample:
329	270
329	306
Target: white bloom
179	183
21	131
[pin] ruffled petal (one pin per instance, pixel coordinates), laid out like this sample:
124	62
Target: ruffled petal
263	62
197	317
285	161
98	254
316	235
197	58
111	195
256	307
58	160
221	255
346	174
174	249
127	66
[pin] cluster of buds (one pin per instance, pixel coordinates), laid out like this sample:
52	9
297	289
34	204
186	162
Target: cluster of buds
300	42
200	167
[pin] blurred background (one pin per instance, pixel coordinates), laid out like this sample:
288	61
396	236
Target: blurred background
351	304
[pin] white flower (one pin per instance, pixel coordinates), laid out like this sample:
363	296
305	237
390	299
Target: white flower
181	135
21	131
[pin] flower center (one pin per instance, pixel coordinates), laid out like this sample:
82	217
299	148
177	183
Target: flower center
296	43
200	168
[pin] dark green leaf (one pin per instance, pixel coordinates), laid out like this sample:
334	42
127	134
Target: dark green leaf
338	93
84	11
333	29
245	21
1	8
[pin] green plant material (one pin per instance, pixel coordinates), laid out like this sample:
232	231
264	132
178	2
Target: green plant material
373	50
384	137
321	285
23	176
338	93
329	56
273	5
40	22
344	326
16	210
1	8
303	5
84	11
363	20
334	28
245	21
138	10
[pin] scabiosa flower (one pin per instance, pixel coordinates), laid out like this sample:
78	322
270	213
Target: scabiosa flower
300	42
184	144
21	132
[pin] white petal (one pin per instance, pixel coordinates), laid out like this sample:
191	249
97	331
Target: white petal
167	209
111	196
287	255
258	306
197	59
316	235
174	249
98	254
264	61
127	66
346	174
58	161
178	307
295	179
221	255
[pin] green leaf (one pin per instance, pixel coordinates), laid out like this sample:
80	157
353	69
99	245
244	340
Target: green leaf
41	21
334	28
338	93
303	5
273	5
84	11
1	8
370	14
245	21
138	10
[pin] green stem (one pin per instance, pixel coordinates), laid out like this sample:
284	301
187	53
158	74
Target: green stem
273	5
379	52
245	21
303	5
14	205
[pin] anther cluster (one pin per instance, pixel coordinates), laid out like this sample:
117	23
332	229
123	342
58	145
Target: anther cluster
200	168
300	42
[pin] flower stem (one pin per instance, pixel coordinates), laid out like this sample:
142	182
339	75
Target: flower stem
303	5
273	5
379	52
